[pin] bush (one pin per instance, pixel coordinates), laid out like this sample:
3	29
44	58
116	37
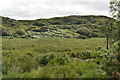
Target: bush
6	31
20	32
85	55
39	24
85	31
46	58
19	64
82	55
68	36
116	49
107	60
61	59
82	36
53	59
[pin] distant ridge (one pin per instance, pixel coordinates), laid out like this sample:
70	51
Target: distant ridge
73	26
64	16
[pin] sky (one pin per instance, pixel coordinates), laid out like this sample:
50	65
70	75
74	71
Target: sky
35	9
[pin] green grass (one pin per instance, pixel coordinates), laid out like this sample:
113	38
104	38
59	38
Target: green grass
45	45
21	58
75	69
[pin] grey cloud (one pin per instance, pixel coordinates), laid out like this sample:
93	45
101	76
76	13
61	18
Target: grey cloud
32	9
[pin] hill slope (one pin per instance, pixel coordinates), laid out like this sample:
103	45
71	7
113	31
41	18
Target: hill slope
66	27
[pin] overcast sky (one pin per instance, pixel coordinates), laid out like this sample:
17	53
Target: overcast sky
34	9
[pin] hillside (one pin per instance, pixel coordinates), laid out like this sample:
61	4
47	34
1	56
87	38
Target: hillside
41	48
67	27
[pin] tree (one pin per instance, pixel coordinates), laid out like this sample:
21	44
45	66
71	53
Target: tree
115	12
115	9
107	29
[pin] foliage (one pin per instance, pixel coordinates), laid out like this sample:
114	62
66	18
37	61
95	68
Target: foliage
45	59
6	32
50	58
115	8
66	27
108	60
20	32
86	32
53	48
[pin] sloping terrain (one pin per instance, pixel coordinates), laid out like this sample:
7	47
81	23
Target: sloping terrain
51	55
66	27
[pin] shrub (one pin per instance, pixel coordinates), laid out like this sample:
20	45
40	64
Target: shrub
84	55
85	31
46	58
61	59
107	60
53	59
6	31
68	36
39	24
82	36
20	32
28	63
116	51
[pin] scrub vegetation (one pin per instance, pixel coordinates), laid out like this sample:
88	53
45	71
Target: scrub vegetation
61	47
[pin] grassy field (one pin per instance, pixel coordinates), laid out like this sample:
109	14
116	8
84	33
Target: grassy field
61	47
46	45
51	58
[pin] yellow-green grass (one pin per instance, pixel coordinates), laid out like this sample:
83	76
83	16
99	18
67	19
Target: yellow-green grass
15	48
23	54
47	45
